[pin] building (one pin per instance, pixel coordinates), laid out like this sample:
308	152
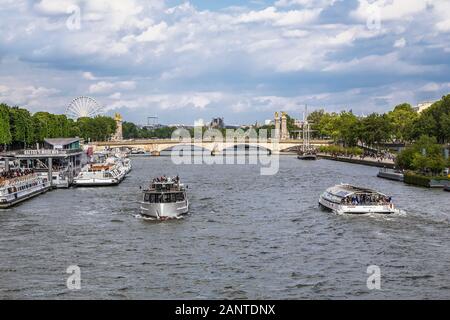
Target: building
60	159
217	123
423	106
62	144
298	123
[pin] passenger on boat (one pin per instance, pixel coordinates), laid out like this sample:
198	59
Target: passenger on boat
15	173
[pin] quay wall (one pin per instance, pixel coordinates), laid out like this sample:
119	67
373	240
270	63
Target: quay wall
372	163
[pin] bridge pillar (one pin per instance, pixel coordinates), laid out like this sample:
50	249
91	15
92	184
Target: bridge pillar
155	153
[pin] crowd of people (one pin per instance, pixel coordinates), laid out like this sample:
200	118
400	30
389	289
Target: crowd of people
365	199
175	179
379	156
14	173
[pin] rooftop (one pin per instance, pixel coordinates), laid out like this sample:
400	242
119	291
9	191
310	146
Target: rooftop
61	141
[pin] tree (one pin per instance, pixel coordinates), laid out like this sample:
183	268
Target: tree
5	132
314	118
426	155
130	130
21	125
375	129
402	120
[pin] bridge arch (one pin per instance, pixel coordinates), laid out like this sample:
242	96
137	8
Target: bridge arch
246	146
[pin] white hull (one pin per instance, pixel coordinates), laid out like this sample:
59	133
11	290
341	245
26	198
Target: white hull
11	199
95	182
103	178
357	209
165	211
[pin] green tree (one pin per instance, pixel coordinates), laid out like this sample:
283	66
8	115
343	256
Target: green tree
375	129
5	131
402	120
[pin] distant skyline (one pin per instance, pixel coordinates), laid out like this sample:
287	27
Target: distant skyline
241	60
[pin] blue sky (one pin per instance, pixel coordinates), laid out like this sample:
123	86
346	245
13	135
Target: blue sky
243	60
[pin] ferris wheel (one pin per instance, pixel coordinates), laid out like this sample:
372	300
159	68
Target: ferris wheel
83	107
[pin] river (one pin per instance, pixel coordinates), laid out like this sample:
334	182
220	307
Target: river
247	237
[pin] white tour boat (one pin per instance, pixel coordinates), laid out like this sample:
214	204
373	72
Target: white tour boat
20	188
165	199
345	198
100	174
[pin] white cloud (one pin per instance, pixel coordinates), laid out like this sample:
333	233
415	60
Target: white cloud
390	9
54	7
103	87
400	43
280	18
433	86
89	76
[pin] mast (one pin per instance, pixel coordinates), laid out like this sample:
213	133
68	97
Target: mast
305	131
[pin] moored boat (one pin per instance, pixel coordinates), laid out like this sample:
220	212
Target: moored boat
22	186
100	174
307	156
391	174
164	199
345	198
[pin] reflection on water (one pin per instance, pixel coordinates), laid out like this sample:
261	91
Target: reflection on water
248	236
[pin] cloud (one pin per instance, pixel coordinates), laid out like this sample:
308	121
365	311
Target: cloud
400	43
242	62
285	18
103	87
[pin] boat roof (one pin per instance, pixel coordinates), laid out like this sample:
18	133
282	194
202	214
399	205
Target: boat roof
345	190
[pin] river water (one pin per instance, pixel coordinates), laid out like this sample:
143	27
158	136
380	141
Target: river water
247	237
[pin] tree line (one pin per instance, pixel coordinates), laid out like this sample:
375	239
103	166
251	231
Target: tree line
19	128
403	124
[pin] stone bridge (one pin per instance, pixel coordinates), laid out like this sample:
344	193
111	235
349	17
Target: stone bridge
155	147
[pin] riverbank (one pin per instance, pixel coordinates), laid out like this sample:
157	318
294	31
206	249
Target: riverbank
386	163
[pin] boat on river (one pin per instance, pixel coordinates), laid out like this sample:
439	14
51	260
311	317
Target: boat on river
164	199
307	152
100	174
391	174
346	198
22	186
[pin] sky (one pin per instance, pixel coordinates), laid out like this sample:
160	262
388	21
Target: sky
241	60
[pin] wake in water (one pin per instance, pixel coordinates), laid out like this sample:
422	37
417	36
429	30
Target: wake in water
397	213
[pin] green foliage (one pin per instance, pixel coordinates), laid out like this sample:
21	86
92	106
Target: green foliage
5	131
421	180
20	129
402	120
131	131
99	128
425	156
338	150
435	121
418	180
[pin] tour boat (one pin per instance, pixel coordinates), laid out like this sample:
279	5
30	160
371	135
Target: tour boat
165	199
100	174
18	189
391	174
126	164
345	198
307	156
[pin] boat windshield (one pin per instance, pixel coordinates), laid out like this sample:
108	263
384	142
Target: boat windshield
164	198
